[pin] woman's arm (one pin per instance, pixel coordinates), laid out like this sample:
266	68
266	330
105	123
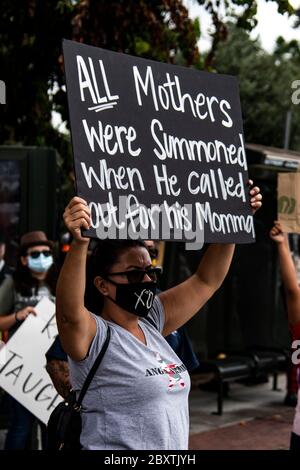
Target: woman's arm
76	325
288	273
183	301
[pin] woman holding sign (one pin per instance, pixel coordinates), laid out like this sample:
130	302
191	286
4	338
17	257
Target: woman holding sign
138	398
34	278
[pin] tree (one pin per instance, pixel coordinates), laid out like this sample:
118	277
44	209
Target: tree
31	63
240	12
29	66
265	86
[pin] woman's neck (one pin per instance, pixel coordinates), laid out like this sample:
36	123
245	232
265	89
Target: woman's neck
126	320
116	314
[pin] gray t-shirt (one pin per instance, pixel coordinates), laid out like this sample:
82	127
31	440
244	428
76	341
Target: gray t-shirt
138	398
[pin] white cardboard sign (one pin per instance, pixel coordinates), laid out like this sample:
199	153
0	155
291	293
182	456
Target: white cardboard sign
22	362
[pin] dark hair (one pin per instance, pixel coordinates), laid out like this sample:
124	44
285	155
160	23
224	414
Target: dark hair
105	254
24	281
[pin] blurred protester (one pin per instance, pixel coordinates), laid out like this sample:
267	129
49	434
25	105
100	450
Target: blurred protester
292	297
34	278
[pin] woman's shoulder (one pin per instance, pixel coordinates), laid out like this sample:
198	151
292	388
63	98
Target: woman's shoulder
100	322
97	342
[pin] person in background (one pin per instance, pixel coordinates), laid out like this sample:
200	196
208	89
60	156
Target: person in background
5	278
179	339
33	279
292	297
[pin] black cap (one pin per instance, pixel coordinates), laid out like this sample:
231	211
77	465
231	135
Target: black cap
34	238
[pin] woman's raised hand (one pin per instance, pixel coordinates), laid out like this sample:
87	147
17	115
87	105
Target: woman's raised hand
77	216
255	196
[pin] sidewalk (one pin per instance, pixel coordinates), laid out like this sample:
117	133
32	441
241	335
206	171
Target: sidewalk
254	418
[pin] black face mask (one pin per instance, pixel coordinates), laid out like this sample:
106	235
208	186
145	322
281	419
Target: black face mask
136	298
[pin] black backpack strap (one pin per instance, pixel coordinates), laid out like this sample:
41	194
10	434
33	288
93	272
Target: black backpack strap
93	370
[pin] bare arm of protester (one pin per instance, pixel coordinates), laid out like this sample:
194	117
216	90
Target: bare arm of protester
8	321
60	376
76	325
288	273
183	301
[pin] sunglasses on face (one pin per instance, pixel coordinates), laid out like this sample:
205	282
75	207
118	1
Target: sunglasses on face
137	275
37	254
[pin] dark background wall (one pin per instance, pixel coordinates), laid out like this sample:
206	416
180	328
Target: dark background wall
28	193
248	309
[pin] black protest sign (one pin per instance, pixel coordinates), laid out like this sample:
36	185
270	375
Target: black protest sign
158	149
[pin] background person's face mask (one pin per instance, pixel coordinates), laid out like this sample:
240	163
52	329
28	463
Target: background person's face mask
136	298
40	264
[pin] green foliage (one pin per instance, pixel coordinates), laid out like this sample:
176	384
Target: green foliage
265	86
240	12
